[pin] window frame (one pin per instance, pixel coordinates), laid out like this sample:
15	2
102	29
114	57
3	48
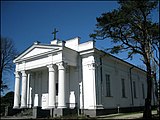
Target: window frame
123	88
134	90
108	85
143	93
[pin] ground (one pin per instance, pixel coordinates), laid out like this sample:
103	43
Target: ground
135	115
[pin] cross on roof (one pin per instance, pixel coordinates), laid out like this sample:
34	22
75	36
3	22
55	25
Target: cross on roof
54	33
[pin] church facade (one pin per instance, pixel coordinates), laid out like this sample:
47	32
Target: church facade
69	75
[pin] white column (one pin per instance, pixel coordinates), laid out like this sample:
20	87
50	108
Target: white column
32	89
28	91
17	90
52	87
24	90
39	88
30	97
61	85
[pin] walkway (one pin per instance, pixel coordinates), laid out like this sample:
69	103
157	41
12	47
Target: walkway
125	115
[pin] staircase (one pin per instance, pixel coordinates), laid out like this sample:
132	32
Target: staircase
26	112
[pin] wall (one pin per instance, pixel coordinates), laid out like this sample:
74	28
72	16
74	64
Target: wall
88	77
69	56
73	86
39	88
73	43
118	70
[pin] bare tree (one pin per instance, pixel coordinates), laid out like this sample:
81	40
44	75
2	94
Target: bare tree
8	53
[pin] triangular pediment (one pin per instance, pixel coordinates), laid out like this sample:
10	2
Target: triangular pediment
36	50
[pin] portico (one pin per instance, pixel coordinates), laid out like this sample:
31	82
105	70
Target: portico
23	77
40	74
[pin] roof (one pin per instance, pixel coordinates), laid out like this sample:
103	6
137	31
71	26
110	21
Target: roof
50	45
36	45
121	60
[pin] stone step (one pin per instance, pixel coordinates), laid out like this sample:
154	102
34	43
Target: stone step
26	112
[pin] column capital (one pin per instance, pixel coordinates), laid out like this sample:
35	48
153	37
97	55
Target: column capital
24	74
17	74
51	67
61	65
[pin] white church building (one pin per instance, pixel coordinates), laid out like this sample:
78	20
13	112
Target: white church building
69	74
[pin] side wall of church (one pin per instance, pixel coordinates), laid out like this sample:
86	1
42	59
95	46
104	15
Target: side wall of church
114	89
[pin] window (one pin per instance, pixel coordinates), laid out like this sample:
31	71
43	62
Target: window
123	88
108	87
143	91
134	89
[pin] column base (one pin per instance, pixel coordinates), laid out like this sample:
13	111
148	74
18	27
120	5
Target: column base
61	107
15	107
23	107
51	107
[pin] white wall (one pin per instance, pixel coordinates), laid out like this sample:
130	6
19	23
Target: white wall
89	90
70	56
73	43
119	70
73	85
39	88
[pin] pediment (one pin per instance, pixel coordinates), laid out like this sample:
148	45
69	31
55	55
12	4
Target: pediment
36	50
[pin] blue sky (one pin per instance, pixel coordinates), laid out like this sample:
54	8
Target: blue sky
26	22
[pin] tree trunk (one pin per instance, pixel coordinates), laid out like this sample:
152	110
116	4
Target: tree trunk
1	77
147	110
